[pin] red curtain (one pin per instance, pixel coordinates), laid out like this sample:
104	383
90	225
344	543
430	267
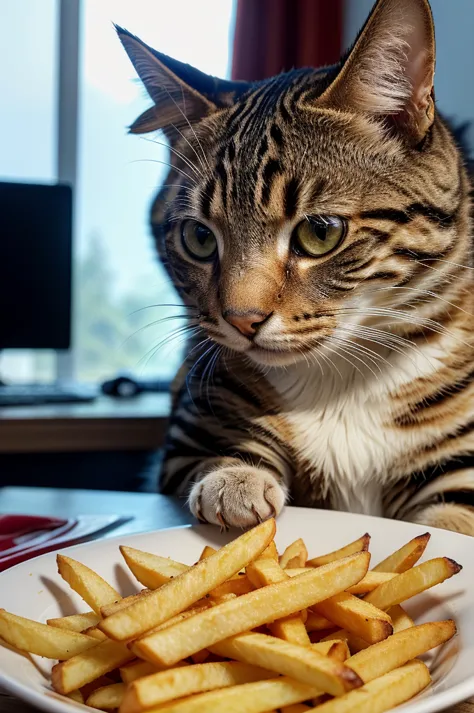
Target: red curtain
272	36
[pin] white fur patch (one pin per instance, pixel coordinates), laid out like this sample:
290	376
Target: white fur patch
341	422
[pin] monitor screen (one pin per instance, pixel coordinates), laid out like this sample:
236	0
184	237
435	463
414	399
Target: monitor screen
35	266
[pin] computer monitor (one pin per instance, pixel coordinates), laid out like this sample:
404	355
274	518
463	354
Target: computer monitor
35	266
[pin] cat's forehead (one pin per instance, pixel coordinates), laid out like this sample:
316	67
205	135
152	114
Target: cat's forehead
272	158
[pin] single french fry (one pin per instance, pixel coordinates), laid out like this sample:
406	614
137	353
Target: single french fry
404	558
359	545
400	619
371	581
238	586
168	685
384	693
254	697
207	552
400	648
42	639
265	571
339	650
75	622
412	582
290	628
136	669
323	647
123	603
250	610
86	667
317	622
353	642
190	586
368	584
107	698
151	570
270	552
139	669
95	633
357	616
303	663
76	696
296	552
95	591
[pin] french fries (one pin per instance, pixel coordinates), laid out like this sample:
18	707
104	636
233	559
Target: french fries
385	692
295	555
151	570
87	583
207	552
84	668
301	663
188	587
359	545
265	571
169	685
41	639
404	558
250	610
357	616
400	619
107	698
400	648
412	582
230	633
75	622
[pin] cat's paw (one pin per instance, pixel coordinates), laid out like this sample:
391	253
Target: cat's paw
239	496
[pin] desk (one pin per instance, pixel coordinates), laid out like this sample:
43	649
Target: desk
107	424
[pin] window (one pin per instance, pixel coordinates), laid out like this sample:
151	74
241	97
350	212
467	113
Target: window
117	271
28	61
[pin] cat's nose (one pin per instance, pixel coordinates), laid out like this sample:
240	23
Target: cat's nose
246	322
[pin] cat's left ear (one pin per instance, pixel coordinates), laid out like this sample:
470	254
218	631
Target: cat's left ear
182	95
389	72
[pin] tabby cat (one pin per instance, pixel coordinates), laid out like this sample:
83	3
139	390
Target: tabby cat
317	227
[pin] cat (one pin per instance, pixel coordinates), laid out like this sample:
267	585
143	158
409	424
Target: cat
317	226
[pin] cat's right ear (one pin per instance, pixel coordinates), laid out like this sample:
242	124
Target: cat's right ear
389	72
182	95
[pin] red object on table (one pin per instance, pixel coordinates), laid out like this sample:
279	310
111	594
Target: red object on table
26	536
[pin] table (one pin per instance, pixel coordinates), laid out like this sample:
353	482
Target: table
107	423
150	512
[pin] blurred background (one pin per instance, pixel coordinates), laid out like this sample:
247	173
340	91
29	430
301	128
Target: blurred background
68	92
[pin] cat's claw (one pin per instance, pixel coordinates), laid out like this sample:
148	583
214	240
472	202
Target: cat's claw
240	496
224	525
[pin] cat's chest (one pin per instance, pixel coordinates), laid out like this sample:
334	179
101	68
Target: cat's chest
342	436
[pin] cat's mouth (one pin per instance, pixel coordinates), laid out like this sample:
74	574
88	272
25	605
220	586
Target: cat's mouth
268	356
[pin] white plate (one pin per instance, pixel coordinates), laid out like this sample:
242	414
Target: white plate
34	589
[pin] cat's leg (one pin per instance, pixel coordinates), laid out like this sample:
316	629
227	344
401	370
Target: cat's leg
234	472
234	494
445	501
448	516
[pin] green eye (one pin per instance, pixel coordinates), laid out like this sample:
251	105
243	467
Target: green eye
318	235
198	240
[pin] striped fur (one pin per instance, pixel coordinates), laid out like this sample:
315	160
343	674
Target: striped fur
357	390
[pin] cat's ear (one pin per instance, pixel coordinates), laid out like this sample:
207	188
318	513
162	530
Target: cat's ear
390	69
180	93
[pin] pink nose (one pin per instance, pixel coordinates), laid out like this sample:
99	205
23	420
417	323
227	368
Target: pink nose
246	322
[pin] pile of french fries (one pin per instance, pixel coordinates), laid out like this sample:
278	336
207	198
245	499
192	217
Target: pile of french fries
244	630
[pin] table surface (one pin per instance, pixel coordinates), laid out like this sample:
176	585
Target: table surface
149	511
104	424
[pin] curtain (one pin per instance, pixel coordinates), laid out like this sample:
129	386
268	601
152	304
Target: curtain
272	36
